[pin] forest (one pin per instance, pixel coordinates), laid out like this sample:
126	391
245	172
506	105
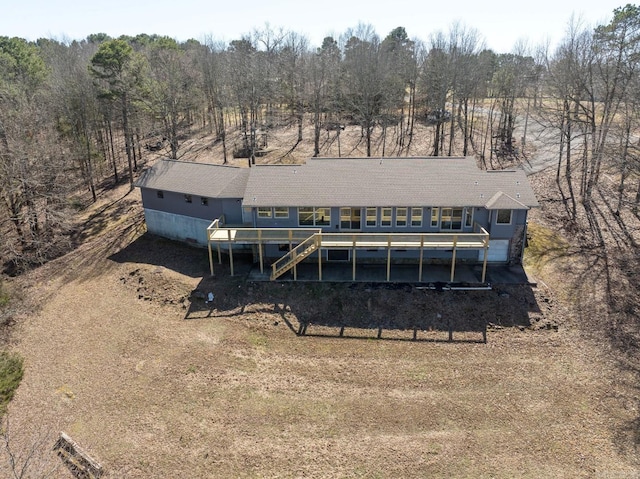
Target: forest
75	115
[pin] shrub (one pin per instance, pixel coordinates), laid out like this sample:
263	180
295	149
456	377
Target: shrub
11	370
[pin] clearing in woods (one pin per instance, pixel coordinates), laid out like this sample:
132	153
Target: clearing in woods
154	383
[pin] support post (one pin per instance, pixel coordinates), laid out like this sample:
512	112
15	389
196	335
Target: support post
231	257
295	270
210	256
219	253
421	258
260	251
353	275
388	258
484	263
319	242
453	257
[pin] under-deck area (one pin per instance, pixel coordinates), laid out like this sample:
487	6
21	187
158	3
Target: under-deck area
312	243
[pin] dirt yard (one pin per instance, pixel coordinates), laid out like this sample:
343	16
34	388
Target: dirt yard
154	383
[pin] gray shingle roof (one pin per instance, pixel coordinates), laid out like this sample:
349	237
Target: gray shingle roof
360	182
355	182
213	181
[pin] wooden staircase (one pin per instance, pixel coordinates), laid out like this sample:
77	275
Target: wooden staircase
297	254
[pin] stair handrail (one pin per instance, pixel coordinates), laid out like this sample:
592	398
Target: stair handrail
291	257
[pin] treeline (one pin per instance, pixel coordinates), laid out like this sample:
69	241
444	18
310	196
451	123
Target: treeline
82	112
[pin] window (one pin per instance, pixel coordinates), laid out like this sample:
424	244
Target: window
385	217
160	194
305	216
264	212
435	213
451	219
204	201
372	217
323	216
468	217
309	216
188	198
350	218
401	216
416	216
281	212
503	217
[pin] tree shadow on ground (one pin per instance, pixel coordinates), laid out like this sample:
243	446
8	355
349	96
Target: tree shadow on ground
393	311
156	251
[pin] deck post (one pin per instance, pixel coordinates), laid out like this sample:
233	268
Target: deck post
319	260
484	263
210	255
388	258
295	270
230	251
353	274
453	257
421	258
219	253
260	251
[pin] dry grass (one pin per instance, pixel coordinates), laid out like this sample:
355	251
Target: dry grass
154	385
111	359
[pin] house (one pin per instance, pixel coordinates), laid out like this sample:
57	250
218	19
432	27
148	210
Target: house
356	210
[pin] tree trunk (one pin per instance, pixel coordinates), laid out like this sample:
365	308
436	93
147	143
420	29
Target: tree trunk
125	128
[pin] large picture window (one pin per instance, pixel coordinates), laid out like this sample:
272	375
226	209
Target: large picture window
312	216
451	219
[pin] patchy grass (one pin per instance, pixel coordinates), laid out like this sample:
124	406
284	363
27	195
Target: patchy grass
544	246
11	371
4	296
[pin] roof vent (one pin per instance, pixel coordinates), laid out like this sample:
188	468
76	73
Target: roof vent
517	182
517	195
475	182
481	195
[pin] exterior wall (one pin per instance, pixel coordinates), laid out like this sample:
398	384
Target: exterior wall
518	218
177	227
480	215
175	203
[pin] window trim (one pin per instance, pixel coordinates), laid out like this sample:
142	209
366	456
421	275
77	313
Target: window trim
468	217
451	220
435	211
498	216
367	216
398	215
315	216
383	222
416	224
281	212
265	212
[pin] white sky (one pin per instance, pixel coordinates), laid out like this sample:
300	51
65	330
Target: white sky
501	23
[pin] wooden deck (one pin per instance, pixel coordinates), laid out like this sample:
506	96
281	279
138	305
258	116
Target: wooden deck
304	241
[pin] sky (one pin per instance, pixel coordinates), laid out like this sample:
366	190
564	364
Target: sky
500	23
